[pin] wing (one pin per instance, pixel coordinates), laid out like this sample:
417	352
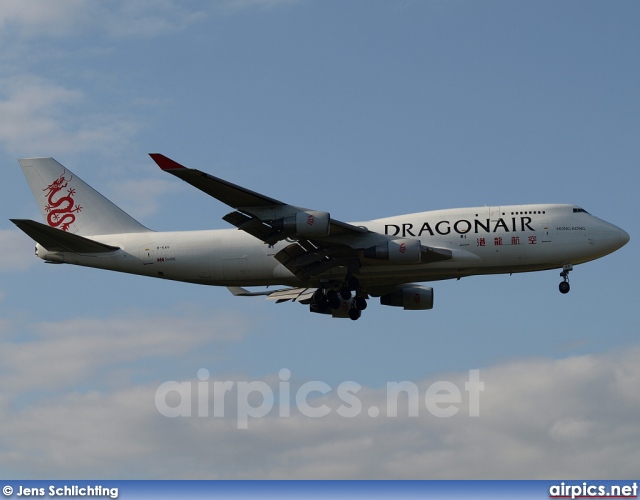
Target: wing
319	242
253	210
318	246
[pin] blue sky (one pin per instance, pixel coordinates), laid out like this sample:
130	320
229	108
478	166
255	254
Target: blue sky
363	109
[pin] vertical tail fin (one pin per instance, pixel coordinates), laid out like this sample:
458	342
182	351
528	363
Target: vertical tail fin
69	204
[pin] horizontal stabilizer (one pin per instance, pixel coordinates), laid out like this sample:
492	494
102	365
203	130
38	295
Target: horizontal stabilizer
56	240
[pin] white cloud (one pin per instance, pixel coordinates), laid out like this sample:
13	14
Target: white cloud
140	197
71	353
18	250
117	19
125	18
102	431
42	17
148	18
42	118
570	418
60	380
240	5
570	429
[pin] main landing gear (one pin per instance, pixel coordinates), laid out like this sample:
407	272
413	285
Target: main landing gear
338	301
564	284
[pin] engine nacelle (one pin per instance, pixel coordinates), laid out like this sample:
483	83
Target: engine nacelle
410	298
401	251
311	223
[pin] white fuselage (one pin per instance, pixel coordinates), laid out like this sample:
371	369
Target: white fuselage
486	240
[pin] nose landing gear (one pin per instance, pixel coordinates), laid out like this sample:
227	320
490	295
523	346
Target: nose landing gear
564	284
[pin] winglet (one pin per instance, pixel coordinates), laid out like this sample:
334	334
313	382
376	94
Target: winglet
165	163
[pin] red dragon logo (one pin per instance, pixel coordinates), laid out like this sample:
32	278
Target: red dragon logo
60	212
310	220
403	248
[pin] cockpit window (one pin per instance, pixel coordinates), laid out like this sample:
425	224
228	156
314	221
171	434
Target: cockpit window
577	210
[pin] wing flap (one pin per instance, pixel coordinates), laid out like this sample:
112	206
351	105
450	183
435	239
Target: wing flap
56	240
252	225
294	294
307	261
282	295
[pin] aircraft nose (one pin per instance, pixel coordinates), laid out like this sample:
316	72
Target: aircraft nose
624	237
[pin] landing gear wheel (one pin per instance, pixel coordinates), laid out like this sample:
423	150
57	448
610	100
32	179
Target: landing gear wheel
334	303
352	283
332	299
564	285
345	293
354	313
322	306
360	303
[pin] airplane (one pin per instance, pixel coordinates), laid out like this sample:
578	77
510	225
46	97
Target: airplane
332	266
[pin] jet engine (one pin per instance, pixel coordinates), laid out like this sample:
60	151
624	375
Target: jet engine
400	251
310	223
410	298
